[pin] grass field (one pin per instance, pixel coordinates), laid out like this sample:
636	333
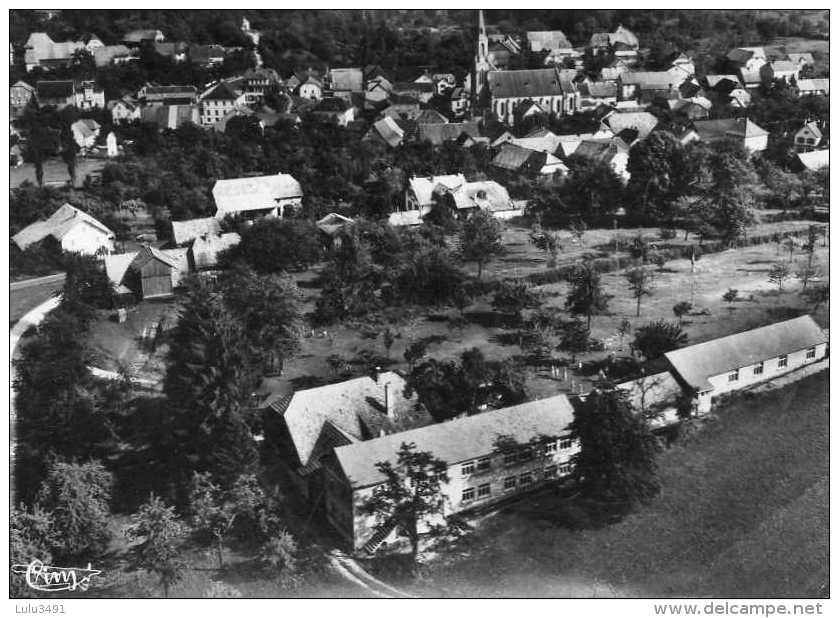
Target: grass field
743	512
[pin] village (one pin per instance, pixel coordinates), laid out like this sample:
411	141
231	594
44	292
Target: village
350	324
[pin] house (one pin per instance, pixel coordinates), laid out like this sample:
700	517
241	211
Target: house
813	160
614	152
75	231
727	90
813	87
147	273
206	55
483	467
423	92
167	95
184	232
783	70
257	196
174	51
640	124
655	397
691	110
137	37
379	88
594	94
801	60
171	116
742	130
808	137
540	141
402	107
218	101
125	109
331	226
89	96
256	83
42	51
613	70
458	102
463	197
58	94
306	84
335	110
547	40
307	425
634	84
681	66
205	249
113	54
553	89
738	361
345	80
622	43
20	95
748	59
85	131
561	56
520	160
439	134
386	130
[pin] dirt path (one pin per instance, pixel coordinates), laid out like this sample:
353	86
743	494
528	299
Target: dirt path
352	571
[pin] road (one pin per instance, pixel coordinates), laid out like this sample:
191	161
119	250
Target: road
27	294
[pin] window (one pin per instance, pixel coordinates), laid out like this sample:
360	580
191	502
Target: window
550	472
467	468
526	454
782	361
468	494
509	483
811	353
550	447
509	458
525	479
483	490
734	375
565	468
565	443
758	369
483	464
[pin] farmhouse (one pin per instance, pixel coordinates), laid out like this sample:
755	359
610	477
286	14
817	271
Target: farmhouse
483	466
742	130
257	196
148	273
184	232
735	362
218	101
813	160
518	159
74	230
454	191
813	87
204	251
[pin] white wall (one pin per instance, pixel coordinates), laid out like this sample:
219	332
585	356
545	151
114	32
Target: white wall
86	239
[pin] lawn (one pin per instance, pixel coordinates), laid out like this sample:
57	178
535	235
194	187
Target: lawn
24	299
743	512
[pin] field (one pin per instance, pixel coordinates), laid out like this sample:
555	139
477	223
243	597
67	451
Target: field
743	512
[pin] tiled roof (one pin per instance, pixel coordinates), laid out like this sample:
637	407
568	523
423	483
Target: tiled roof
710	130
696	363
813	84
254	193
439	133
205	249
59	89
607	89
642	122
185	231
389	131
106	54
58	225
423	186
431	116
511	157
460	439
221	92
815	159
350	79
801	58
528	83
547	40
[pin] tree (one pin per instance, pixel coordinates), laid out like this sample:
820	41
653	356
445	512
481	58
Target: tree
78	497
159	531
278	554
778	274
575	339
818	296
86	285
388	339
462	299
214	511
414	352
654	339
272	245
681	309
410	493
31	536
623	329
617	456
69	152
513	298
640	282
809	270
659	172
586	296
730	297
480	239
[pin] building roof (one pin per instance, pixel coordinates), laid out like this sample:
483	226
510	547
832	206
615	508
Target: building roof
719	81
39	47
813	84
528	83
185	231
86	127
783	66
138	36
651	80
548	142
739	128
170	116
488	195
642	122
741	55
389	131
220	92
106	54
605	89
460	439
512	157
332	105
332	223
423	186
203	54
205	249
815	159
350	79
801	58
55	89
58	225
255	193
168	91
439	133
547	40
169	49
750	77
696	363
431	116
813	127
356	407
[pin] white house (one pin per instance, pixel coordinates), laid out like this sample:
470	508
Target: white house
124	110
257	196
735	362
75	231
808	137
218	101
85	131
813	87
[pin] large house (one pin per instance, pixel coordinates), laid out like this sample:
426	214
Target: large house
171	116
723	365
552	89
20	95
784	70
490	456
42	51
219	101
74	230
257	196
813	87
517	159
147	273
167	95
622	43
125	109
547	40
741	130
808	137
64	93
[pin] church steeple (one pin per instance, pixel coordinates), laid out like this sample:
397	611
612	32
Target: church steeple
483	63
483	40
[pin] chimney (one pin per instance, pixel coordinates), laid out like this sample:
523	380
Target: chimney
388	401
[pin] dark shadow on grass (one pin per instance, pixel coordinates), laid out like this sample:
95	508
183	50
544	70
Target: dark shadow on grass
493	319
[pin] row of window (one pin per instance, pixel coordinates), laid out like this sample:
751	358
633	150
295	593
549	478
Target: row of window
513	457
510	483
757	370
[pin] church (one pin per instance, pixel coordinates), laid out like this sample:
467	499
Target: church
550	91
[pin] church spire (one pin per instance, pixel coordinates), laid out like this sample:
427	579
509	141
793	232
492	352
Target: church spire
482	30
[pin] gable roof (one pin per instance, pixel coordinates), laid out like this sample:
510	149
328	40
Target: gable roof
741	55
547	142
389	131
783	66
651	80
460	439
220	92
58	225
255	192
350	79
86	127
203	54
332	223
602	89
354	406
205	249
801	58
528	83
718	82
55	89
812	127
815	159
512	157
547	40
696	363
106	54
642	122
185	231
813	84
431	116
740	128
423	186
440	133
138	36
